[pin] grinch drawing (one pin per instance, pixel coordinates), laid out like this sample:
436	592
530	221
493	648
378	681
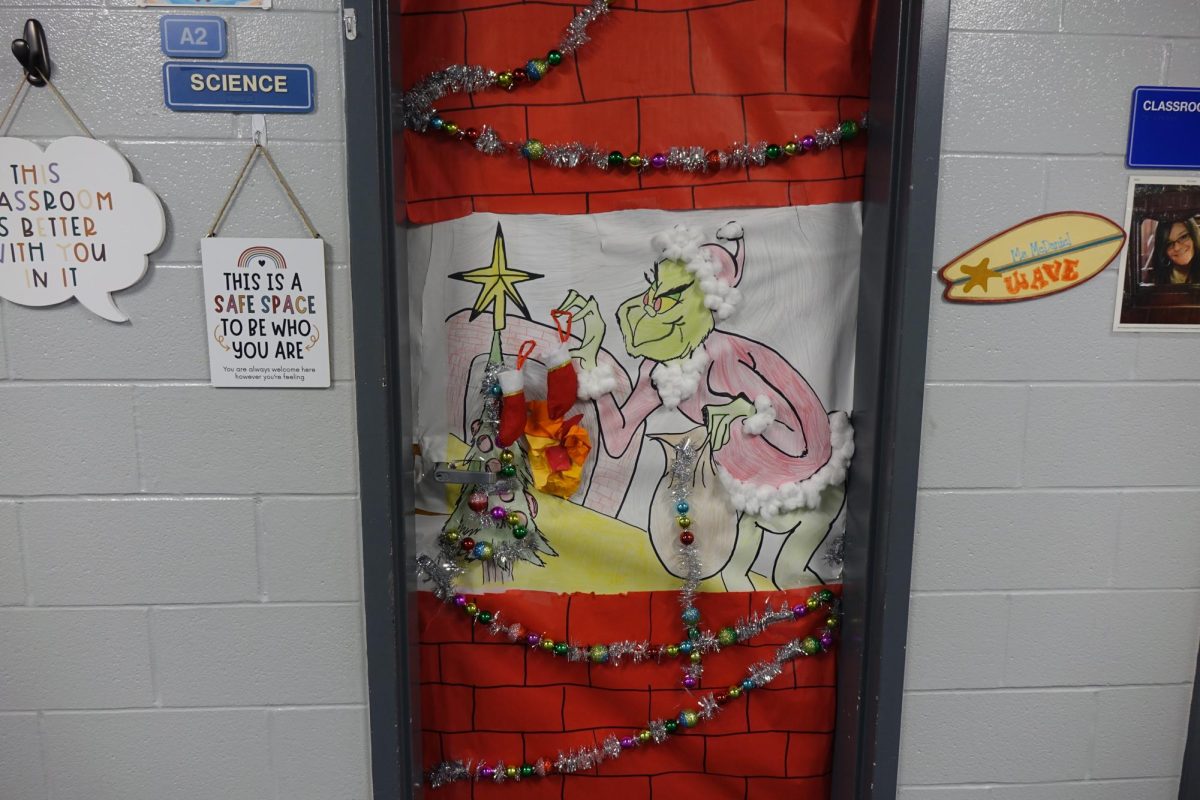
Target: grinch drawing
771	458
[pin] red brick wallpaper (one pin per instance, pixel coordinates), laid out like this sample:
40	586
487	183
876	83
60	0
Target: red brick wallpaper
482	697
656	73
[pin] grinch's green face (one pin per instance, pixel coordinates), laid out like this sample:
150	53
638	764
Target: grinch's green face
668	321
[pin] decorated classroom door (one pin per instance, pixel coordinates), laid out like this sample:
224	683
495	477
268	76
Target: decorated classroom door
633	251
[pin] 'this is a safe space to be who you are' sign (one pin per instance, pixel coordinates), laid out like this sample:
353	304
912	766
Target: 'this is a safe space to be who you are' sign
266	312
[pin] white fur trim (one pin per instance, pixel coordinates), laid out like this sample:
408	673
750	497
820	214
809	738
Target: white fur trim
678	380
770	501
558	356
596	382
682	243
764	415
730	232
511	380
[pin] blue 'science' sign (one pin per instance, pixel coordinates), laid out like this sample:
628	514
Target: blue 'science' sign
189	36
1164	128
257	88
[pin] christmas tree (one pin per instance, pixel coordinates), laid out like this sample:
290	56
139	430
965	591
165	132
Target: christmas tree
494	520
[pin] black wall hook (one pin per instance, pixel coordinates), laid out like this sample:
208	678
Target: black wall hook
33	52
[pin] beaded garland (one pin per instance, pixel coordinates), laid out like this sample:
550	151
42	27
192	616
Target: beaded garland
692	648
420	115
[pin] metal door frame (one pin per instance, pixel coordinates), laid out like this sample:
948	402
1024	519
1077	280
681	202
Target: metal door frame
898	212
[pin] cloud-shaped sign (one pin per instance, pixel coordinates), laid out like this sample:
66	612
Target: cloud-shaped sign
73	223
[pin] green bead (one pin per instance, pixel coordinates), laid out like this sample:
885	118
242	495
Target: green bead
727	636
554	58
671	725
644	736
547	644
791	148
810	646
508	470
849	129
696	656
684	521
485	617
561	649
635	161
672	650
526	770
519	531
693	634
773	151
825	596
615	159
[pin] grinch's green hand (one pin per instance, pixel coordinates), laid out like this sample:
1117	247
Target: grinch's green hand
585	312
718	418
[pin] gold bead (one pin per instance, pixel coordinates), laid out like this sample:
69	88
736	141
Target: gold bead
735	691
450	128
451	536
471	609
512	770
507	457
513	518
643	736
635	161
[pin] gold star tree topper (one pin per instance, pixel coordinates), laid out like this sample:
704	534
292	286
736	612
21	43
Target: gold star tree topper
497	284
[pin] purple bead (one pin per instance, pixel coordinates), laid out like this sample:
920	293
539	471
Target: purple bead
499	513
487	772
627	742
799	610
533	639
689	682
658	161
460	600
826	640
808	143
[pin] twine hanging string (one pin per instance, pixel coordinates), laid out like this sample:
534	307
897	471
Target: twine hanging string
18	96
258	148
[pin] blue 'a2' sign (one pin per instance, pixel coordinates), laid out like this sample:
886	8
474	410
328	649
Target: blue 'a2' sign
229	86
191	36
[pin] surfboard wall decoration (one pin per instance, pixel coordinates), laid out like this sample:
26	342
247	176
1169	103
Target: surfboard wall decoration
1040	257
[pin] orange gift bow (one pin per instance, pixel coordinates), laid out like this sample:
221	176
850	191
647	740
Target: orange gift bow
557	450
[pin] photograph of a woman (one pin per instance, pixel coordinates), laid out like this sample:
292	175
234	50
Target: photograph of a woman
1160	272
1176	257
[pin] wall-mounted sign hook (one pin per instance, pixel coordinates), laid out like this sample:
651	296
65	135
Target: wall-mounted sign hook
33	53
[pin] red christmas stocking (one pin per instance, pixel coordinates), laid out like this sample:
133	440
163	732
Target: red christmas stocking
512	399
562	384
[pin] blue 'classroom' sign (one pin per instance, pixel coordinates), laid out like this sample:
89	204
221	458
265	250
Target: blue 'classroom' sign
1164	128
227	86
189	36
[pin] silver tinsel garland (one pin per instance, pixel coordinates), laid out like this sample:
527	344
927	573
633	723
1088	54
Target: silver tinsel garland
575	36
582	759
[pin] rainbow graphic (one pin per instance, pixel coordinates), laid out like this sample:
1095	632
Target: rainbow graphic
262	257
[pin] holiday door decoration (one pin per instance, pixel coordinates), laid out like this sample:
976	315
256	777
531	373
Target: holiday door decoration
676	634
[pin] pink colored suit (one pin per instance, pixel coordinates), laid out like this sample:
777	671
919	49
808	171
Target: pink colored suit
791	449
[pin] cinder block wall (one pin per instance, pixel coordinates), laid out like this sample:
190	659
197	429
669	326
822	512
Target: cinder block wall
1055	607
180	602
